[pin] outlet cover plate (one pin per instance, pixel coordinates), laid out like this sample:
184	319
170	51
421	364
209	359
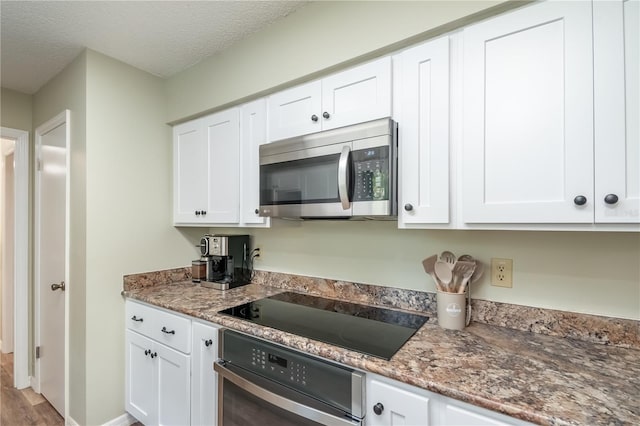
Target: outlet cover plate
502	272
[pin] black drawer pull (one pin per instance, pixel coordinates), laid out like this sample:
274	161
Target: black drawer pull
147	352
153	355
208	343
136	319
164	330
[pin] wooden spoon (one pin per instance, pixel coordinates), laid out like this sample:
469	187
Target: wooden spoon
428	265
444	274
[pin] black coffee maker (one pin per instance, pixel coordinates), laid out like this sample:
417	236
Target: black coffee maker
227	260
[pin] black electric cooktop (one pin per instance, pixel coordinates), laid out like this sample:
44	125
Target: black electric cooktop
371	330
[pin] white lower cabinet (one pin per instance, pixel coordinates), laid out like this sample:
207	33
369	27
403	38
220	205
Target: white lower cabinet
204	384
169	367
157	382
392	403
459	414
140	377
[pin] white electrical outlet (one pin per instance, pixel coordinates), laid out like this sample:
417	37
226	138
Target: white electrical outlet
502	272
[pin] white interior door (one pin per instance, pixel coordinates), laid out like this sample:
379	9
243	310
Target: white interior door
50	265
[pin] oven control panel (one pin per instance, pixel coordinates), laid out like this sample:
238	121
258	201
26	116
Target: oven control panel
294	369
291	371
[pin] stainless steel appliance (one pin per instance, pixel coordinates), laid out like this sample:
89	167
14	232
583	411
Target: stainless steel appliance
227	261
261	383
350	172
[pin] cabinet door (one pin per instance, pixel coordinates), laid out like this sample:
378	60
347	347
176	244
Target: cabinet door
528	116
424	133
453	415
356	95
204	400
456	413
140	378
617	133
295	111
173	395
190	178
253	134
222	133
398	406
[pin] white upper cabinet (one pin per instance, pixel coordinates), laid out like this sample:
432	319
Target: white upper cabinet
359	94
527	154
616	38
295	111
423	115
253	119
206	175
190	172
222	132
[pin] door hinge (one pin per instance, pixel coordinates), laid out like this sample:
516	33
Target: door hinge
37	352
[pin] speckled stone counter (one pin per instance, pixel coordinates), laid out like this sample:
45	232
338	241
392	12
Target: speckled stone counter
538	378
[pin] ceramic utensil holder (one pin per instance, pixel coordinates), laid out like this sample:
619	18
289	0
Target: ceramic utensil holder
452	310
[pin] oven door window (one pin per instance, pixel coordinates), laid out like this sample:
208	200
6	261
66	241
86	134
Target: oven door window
307	181
240	408
247	399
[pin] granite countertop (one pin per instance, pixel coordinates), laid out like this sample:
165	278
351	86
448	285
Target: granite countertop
533	377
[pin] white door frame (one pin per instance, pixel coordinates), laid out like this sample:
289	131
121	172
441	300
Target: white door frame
21	260
58	120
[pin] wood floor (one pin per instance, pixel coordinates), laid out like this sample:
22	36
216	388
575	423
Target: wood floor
23	407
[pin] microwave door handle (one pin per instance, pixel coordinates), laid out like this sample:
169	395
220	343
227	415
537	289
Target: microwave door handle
343	177
280	401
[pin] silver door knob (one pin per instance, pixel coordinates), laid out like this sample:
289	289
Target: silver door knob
55	287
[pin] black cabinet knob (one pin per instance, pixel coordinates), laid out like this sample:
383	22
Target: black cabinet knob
204	212
611	198
164	330
326	114
257	211
580	200
314	118
153	355
197	212
208	343
378	408
147	352
408	207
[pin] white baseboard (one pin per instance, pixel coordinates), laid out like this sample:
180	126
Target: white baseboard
70	422
124	420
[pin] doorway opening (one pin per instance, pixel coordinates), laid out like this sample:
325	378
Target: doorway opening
15	252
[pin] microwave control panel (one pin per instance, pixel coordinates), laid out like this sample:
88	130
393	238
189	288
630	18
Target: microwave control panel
371	173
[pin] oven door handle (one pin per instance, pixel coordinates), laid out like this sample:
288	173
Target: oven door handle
280	401
343	177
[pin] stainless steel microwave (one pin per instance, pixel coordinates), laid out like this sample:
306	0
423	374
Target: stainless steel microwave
349	172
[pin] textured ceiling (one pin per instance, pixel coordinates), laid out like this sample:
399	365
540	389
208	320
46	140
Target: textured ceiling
39	38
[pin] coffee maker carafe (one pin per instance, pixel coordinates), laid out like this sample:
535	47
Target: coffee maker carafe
227	261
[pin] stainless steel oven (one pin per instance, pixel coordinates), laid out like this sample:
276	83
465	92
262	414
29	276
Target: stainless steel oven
261	383
348	172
